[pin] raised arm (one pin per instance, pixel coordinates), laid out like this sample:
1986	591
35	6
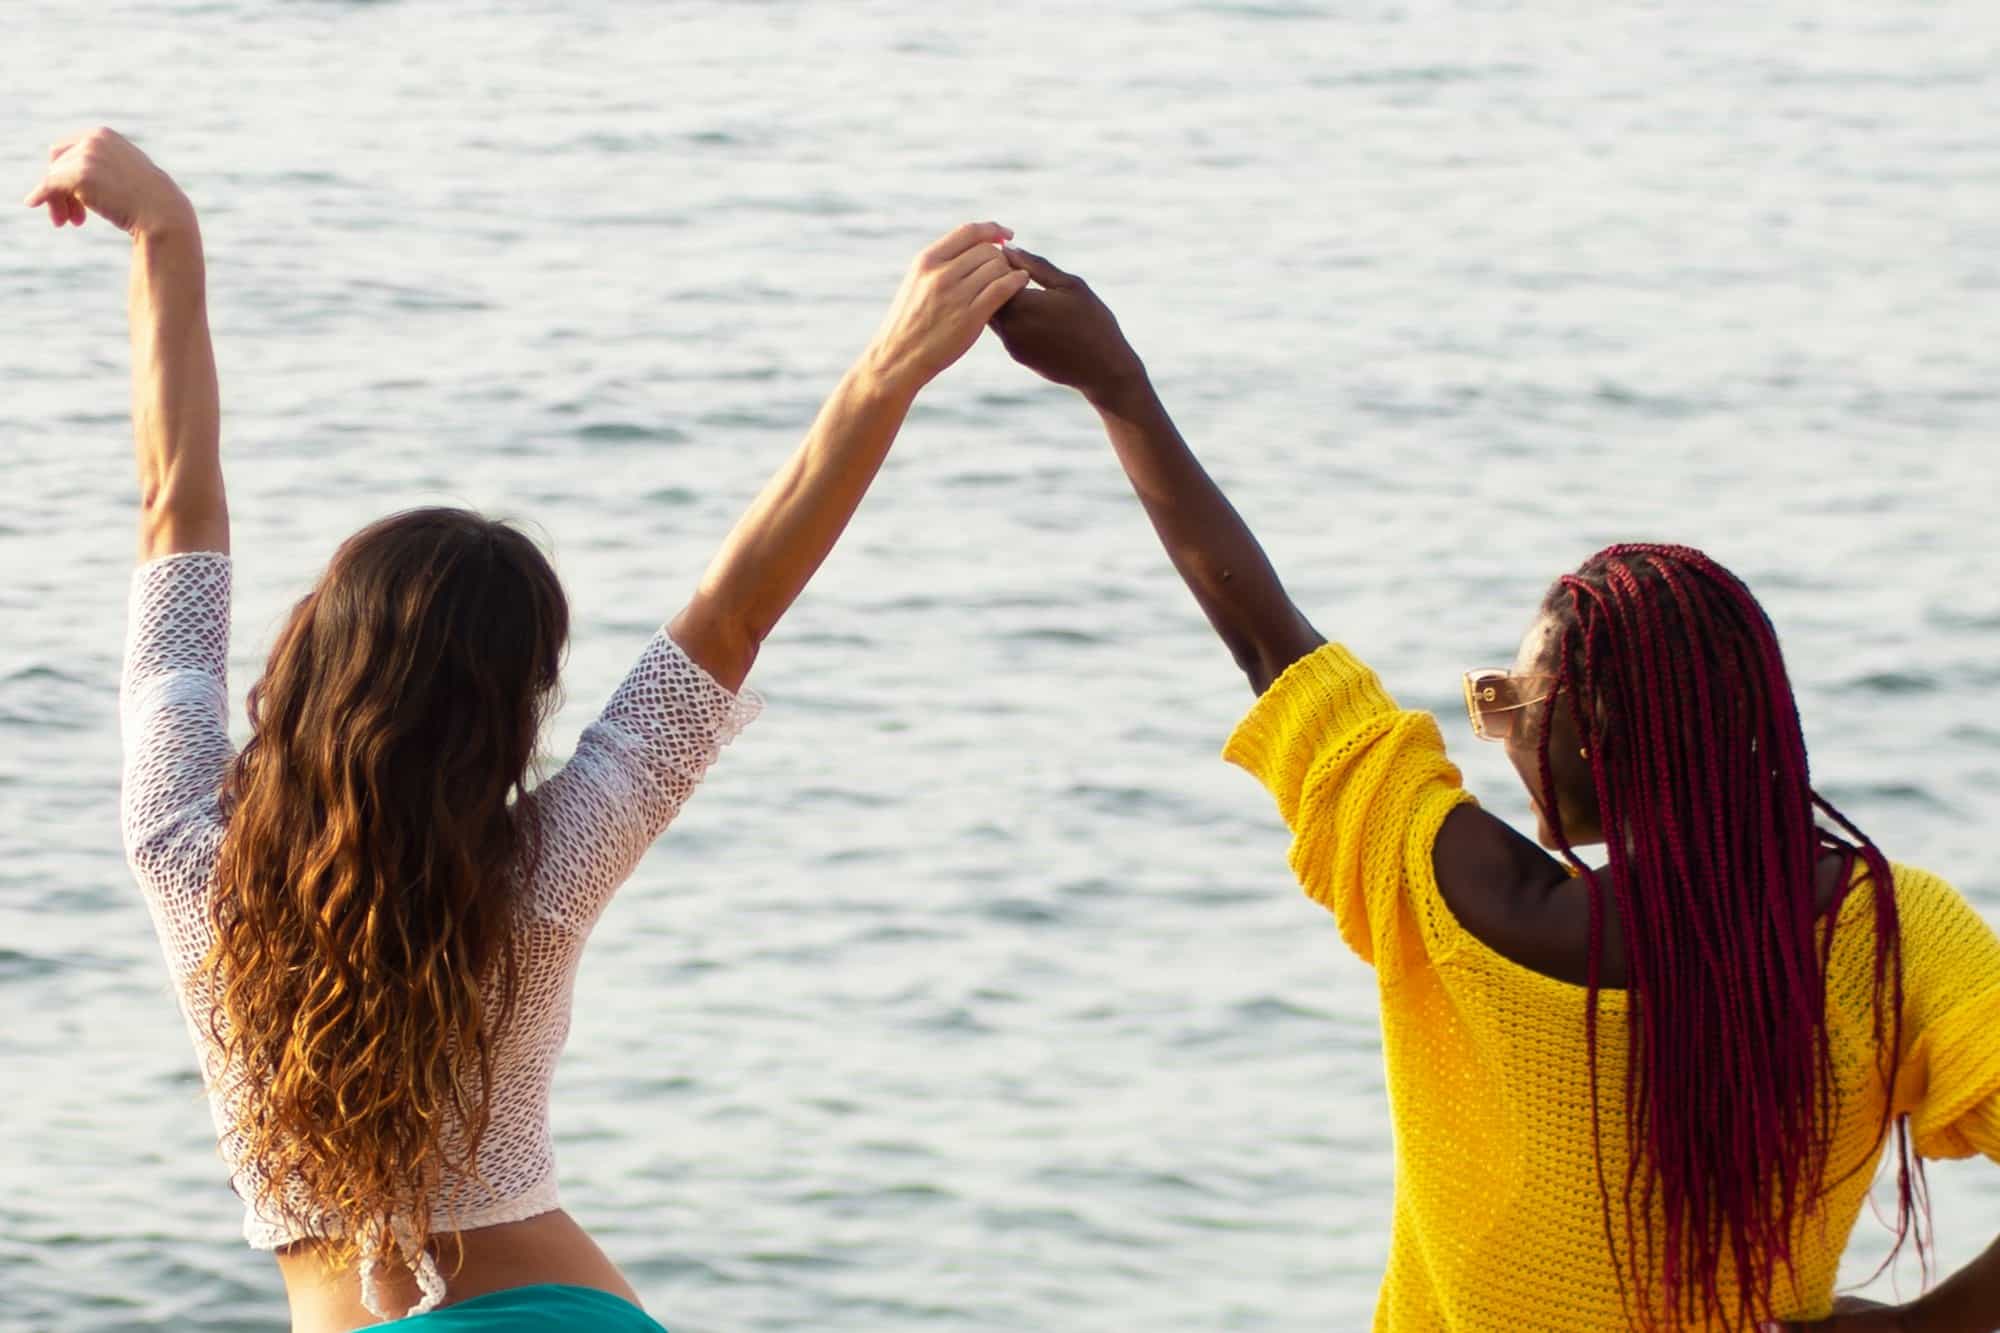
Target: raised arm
950	292
176	410
668	721
1064	333
173	690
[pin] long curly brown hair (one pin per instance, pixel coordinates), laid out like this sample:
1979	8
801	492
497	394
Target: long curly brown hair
363	966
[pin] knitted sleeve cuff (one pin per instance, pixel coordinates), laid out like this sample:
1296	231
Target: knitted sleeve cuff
1324	694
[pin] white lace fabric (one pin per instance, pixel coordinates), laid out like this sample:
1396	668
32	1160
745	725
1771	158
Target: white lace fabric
632	770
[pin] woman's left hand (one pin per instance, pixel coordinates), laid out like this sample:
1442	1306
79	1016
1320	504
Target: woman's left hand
103	172
1066	334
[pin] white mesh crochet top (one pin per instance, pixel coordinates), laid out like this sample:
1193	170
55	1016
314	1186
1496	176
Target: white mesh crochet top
631	771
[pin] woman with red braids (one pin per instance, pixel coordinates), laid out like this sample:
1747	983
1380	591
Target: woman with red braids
1644	1094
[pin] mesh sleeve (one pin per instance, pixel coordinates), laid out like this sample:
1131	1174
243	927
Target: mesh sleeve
173	701
633	769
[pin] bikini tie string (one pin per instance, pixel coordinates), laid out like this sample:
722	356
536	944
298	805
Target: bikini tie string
415	1257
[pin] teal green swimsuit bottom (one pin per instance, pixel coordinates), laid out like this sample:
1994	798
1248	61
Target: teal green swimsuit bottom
544	1308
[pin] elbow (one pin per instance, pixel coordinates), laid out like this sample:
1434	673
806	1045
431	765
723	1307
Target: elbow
171	523
723	645
1263	674
1264	664
1250	660
151	849
1275	654
1259	659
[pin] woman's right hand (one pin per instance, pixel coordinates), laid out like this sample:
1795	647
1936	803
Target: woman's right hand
103	172
950	292
1065	333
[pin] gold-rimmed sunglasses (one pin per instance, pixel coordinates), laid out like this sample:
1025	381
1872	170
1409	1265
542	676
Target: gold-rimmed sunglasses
1496	701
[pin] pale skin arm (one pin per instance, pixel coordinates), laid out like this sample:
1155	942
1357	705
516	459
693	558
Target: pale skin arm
951	290
176	406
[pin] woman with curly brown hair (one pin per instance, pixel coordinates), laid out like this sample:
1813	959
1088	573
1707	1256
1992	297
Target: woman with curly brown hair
373	921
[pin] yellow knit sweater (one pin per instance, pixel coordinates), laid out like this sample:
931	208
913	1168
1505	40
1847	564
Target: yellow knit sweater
1497	1221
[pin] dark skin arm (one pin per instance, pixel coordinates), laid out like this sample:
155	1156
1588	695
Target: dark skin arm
1966	1302
1064	333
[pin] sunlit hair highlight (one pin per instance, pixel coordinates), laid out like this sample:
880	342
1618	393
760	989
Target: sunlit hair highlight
363	964
1672	675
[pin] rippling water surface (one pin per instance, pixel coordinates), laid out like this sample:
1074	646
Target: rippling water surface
973	992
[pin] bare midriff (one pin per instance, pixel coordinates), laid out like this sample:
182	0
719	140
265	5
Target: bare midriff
548	1248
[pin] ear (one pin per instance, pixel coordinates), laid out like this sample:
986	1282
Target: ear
1572	769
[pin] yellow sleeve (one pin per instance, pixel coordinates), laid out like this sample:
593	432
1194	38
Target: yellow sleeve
1950	1079
1363	786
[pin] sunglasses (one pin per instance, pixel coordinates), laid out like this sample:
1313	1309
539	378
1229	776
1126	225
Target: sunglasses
1497	701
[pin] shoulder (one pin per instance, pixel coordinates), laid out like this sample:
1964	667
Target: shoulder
1931	914
1517	899
1477	852
1935	920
